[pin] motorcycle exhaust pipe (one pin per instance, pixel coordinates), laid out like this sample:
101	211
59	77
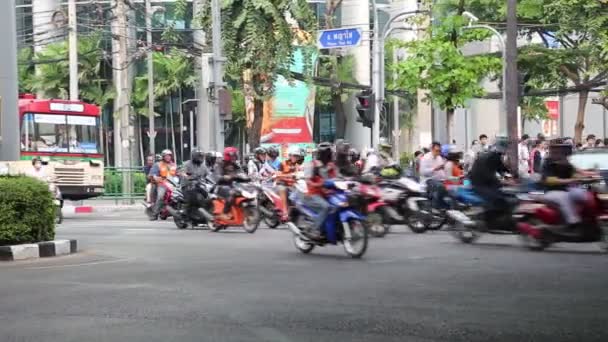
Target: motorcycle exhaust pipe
294	229
265	211
206	214
172	211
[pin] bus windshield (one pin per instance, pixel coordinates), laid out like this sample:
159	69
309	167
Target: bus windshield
60	133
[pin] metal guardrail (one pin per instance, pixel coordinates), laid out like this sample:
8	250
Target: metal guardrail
122	183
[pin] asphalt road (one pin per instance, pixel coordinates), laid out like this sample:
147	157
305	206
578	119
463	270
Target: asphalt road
146	281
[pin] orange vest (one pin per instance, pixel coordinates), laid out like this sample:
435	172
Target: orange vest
167	170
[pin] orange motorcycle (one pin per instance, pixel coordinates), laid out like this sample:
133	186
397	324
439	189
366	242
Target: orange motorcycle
244	211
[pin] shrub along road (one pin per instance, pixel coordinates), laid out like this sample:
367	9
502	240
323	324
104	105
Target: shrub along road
142	281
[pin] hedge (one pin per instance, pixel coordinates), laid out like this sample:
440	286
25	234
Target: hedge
27	211
113	183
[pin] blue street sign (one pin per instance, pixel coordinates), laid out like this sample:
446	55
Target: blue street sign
339	38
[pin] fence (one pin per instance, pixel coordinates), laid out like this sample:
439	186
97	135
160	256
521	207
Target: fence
116	177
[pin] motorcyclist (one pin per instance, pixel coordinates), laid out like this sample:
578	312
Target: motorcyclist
228	171
484	177
343	160
355	159
377	161
256	164
453	169
286	176
195	167
316	172
558	176
273	158
165	168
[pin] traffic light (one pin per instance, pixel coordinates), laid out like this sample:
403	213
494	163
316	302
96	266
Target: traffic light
522	83
366	104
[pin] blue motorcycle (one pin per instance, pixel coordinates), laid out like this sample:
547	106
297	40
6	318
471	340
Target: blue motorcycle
344	222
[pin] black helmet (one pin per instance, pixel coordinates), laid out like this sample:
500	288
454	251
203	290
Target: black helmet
197	155
324	152
259	150
210	158
272	152
500	145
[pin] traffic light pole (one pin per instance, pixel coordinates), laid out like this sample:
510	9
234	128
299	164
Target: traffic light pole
9	120
511	85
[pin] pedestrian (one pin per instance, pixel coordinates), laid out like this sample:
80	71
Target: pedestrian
416	164
483	142
536	157
599	143
523	153
590	142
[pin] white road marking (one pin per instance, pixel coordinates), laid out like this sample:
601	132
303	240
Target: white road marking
78	265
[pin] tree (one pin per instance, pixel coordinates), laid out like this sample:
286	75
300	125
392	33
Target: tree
437	65
574	46
259	36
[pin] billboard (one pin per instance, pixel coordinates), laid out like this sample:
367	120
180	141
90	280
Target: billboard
550	124
289	114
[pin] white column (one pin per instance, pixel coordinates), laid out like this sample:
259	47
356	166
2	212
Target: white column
355	13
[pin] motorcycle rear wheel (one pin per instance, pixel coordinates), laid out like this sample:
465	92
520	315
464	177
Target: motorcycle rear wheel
376	226
180	223
465	234
360	236
416	223
252	219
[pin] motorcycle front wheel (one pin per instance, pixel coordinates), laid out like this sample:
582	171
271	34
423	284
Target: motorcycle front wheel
357	244
180	223
301	245
465	234
375	225
252	219
416	223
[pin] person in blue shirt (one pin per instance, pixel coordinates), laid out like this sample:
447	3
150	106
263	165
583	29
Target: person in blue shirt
273	158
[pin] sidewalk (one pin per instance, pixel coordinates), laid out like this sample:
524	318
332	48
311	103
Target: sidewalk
101	205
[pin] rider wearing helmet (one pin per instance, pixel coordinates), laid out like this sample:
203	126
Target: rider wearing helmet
286	176
166	167
255	164
228	171
316	173
343	159
195	167
376	161
483	176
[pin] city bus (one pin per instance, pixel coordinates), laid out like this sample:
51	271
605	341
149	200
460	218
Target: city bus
67	136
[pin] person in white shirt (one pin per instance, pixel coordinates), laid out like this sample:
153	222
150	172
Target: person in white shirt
432	165
37	171
523	156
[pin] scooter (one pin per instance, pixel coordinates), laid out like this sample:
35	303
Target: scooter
171	183
374	208
408	204
546	225
191	204
270	205
343	224
470	220
244	211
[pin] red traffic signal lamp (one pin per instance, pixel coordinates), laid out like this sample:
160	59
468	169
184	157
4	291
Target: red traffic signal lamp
366	104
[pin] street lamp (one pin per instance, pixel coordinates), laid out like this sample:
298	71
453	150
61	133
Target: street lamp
473	19
150	10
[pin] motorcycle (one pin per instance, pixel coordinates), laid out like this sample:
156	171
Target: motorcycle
470	220
408	203
58	201
545	226
244	211
191	204
270	205
374	208
171	183
343	224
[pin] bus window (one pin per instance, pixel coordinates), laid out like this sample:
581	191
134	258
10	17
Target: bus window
84	134
60	133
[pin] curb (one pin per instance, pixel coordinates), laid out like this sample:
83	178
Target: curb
43	249
99	209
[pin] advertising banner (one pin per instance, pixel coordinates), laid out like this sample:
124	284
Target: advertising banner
550	125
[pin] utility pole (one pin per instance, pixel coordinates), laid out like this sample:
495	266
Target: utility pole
73	49
377	80
9	120
218	75
512	96
151	128
122	93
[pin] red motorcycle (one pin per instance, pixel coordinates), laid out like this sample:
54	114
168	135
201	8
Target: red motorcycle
171	183
271	206
545	225
373	204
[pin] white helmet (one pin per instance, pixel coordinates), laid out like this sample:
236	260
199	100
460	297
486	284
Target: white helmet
219	156
294	150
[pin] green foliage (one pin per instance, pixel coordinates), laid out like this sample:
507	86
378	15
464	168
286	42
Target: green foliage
53	76
27	211
339	69
437	65
533	108
113	183
172	71
257	35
